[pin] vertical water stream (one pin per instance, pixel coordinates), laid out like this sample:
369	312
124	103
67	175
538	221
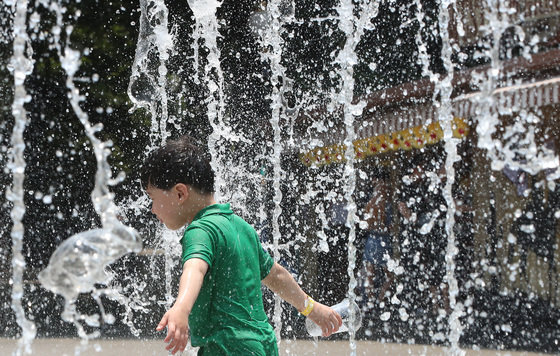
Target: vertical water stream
353	26
79	265
22	65
80	262
206	28
444	88
147	87
272	39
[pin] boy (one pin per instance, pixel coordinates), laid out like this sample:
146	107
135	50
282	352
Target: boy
219	296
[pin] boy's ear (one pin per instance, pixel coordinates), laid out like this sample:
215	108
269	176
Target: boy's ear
182	190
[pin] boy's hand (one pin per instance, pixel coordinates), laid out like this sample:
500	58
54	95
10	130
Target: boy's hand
326	318
177	322
177	318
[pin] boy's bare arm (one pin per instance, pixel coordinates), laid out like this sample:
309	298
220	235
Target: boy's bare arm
177	318
281	282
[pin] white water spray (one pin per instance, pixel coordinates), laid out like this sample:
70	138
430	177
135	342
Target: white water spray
147	87
80	262
517	148
22	66
273	38
444	88
206	27
353	27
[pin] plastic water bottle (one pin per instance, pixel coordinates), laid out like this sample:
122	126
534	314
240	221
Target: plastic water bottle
343	309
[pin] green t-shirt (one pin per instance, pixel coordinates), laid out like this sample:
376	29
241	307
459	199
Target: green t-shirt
228	315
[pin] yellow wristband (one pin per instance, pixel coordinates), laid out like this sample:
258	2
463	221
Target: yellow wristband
309	304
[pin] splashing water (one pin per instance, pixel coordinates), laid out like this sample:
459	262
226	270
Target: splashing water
353	27
444	89
206	27
22	66
148	89
273	37
80	262
519	150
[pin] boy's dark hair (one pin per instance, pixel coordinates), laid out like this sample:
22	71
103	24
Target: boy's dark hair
178	161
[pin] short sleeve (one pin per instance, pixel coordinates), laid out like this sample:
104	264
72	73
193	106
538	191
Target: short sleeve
197	243
265	262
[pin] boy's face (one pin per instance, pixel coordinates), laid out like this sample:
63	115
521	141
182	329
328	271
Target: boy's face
166	206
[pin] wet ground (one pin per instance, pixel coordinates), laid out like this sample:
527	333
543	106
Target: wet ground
67	347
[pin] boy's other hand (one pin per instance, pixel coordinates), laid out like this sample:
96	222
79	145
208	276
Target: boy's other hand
177	322
326	318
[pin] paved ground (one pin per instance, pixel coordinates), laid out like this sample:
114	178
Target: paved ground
67	347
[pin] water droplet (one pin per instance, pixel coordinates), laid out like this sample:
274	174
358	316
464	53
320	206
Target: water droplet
385	316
